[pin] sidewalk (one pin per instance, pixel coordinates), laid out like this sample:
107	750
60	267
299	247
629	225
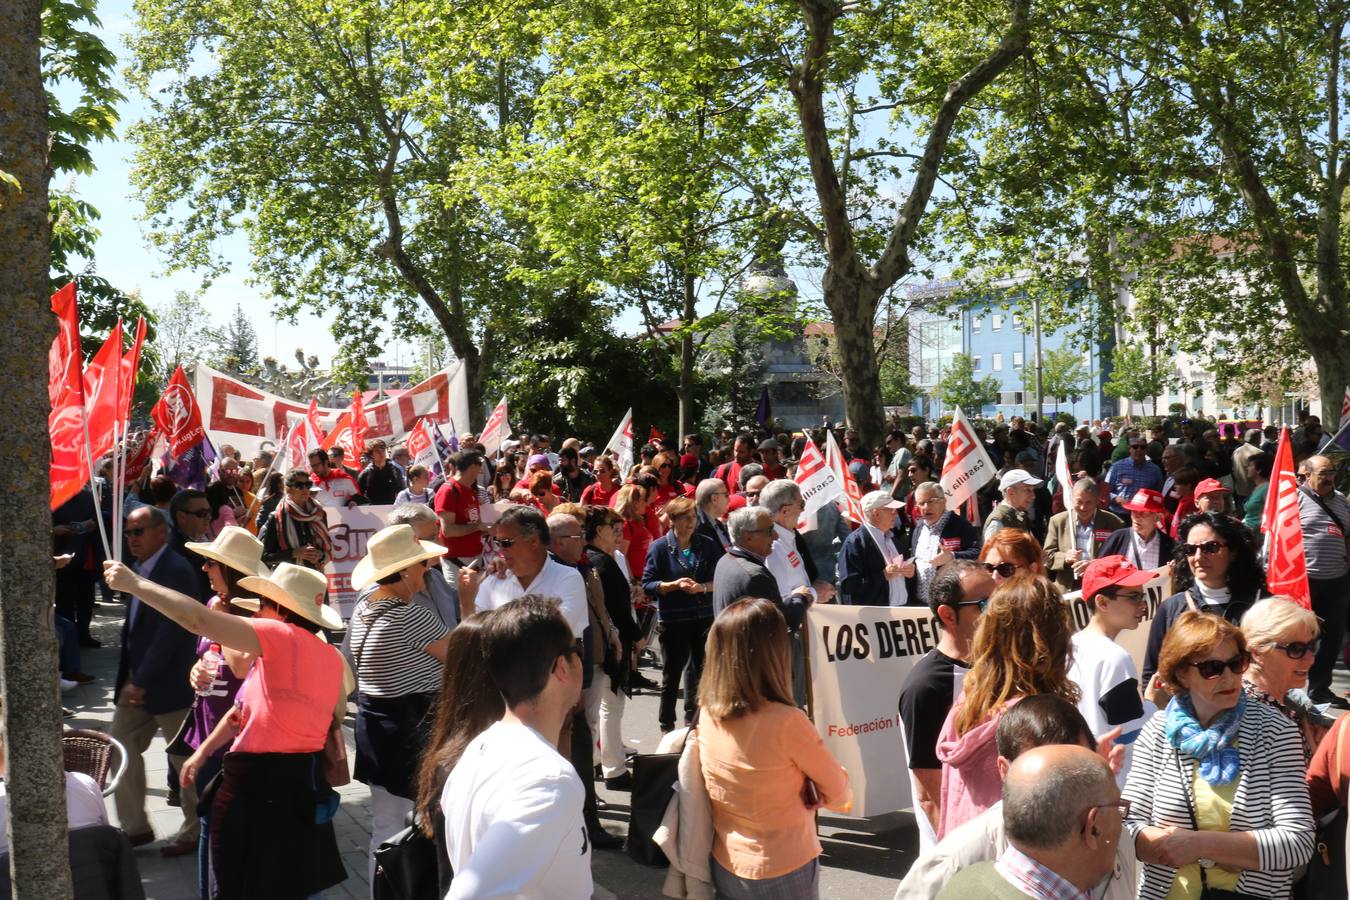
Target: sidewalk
861	858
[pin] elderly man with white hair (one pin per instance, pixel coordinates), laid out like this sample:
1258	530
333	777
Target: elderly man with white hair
872	570
1018	488
940	535
1075	537
789	561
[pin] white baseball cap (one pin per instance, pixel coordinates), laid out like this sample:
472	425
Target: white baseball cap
874	500
1018	476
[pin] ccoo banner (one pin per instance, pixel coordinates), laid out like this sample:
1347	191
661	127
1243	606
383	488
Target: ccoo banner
241	415
350	527
860	657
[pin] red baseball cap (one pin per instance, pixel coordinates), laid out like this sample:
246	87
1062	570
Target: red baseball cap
1209	486
1145	500
1112	571
737	501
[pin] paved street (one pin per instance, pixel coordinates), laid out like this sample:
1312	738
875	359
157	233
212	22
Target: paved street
862	858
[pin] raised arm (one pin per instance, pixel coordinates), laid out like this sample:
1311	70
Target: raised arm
227	630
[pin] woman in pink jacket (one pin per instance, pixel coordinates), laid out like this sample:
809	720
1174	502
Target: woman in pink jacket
1021	648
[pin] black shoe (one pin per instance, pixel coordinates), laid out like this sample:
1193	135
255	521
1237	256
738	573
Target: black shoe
622	782
639	682
599	772
175	797
602	839
1326	696
90	643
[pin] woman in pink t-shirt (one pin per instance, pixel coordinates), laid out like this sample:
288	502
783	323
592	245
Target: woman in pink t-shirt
271	809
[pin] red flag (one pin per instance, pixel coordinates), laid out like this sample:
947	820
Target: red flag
127	386
315	429
655	435
137	462
177	415
360	427
298	444
341	435
850	504
102	392
1286	568
65	388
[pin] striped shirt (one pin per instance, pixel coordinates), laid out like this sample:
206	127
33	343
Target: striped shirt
1271	800
1323	536
393	660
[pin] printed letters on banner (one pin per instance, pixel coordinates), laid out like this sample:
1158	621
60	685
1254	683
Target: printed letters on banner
818	483
967	466
350	527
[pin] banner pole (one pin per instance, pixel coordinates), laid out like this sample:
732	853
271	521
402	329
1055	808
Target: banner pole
117	492
93	485
252	507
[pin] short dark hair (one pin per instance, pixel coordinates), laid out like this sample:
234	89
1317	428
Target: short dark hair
945	588
465	459
1038	721
1263	463
417	472
318	452
523	640
377	445
183	498
526	519
568	453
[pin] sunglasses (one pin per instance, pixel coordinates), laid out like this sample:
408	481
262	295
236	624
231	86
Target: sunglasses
1209	669
299	485
982	604
1003	570
135	532
508	543
1299	649
1208	548
199	513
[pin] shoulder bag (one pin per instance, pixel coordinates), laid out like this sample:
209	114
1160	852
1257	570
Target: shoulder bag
1206	892
406	867
1325	878
654	778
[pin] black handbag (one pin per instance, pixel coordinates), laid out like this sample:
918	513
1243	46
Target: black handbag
405	867
654	777
1325	877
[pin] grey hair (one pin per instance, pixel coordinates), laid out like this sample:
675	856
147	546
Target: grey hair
928	487
410	514
748	471
743	520
1085	484
706	488
527	520
777	494
1042	812
560	520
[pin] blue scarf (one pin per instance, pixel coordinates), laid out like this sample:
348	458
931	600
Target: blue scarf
1212	746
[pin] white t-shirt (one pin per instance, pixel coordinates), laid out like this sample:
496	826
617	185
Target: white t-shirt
1109	682
553	580
513	820
84	806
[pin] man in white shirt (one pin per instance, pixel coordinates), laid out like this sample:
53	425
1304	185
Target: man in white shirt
513	804
787	561
522	535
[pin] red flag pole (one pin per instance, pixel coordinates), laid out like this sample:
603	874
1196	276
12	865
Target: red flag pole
93	482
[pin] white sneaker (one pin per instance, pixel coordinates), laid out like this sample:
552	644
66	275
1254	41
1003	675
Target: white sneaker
68	685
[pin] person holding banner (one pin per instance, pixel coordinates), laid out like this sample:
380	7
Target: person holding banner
766	769
332	487
1021	648
1217	795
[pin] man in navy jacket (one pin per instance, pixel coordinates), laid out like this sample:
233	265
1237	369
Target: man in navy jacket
152	691
872	570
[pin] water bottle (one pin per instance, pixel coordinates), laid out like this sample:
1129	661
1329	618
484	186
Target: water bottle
211	662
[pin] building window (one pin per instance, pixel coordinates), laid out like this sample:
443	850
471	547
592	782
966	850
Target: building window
975	323
1018	398
998	362
977	362
1017	359
996	323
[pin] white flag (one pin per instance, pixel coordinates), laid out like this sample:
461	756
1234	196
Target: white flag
818	484
422	447
1345	410
622	443
298	443
967	467
850	501
495	431
1066	488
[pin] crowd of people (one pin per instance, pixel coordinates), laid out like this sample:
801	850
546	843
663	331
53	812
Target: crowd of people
507	608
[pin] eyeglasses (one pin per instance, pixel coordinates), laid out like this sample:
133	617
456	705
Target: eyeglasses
299	485
1139	599
1208	548
136	532
1002	570
752	493
1209	669
982	604
1122	804
1299	649
199	513
666	466
508	543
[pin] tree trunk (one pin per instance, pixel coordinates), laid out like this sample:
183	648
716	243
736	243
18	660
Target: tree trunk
853	327
685	391
34	781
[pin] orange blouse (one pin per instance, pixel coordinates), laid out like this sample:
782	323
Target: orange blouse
755	767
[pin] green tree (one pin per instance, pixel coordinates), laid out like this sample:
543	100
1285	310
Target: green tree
1135	375
959	386
34	784
183	323
1063	375
233	347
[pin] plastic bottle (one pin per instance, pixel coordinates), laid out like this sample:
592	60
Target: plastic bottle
211	662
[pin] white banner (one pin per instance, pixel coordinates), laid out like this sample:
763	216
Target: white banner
967	466
622	444
495	431
349	527
860	657
241	415
818	482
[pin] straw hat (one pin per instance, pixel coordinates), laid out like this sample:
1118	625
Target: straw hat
236	548
295	587
391	550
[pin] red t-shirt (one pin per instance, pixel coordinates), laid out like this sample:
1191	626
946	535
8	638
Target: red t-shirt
639	539
596	494
463	502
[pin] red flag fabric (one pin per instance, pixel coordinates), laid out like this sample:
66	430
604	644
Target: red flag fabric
65	389
341	435
297	445
177	415
103	392
1286	568
655	435
127	382
137	462
315	429
360	427
850	503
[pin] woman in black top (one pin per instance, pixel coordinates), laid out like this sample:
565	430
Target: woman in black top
603	528
297	530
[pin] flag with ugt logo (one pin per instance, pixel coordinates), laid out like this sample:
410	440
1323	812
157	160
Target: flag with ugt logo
818	483
422	447
967	467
